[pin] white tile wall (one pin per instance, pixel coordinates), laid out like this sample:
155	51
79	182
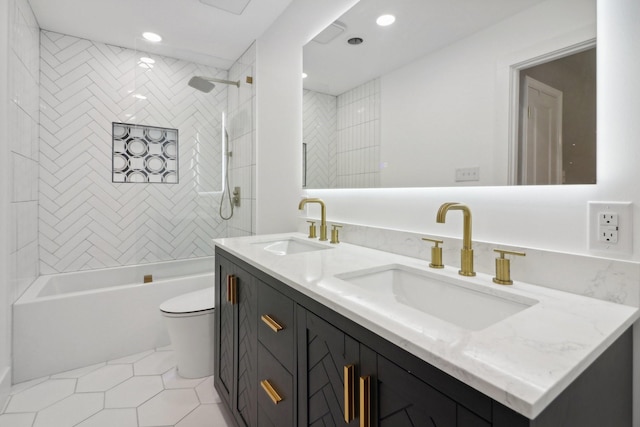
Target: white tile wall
358	146
242	137
22	132
343	137
85	220
319	130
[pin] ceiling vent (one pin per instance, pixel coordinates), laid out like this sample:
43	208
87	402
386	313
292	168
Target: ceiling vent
330	33
233	6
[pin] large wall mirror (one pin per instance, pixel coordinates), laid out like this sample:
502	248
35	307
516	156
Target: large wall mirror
453	93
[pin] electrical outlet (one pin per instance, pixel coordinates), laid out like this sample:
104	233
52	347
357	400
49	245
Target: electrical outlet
468	174
608	234
610	227
608	218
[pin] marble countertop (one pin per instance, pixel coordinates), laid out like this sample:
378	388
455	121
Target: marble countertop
524	361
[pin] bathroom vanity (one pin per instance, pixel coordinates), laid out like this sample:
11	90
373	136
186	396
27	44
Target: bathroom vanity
309	333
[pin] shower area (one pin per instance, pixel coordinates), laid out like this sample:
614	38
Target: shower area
122	163
138	153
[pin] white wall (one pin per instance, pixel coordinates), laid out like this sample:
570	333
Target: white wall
23	137
279	110
5	303
19	93
439	113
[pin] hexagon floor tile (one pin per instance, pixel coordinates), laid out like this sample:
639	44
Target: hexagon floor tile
135	391
104	378
70	411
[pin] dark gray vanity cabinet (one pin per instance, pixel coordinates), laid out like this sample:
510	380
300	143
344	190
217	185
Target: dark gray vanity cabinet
235	349
283	359
340	379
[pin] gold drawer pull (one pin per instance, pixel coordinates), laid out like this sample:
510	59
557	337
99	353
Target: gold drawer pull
271	392
275	326
365	401
349	393
231	288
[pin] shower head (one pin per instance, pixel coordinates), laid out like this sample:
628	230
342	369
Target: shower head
206	84
201	84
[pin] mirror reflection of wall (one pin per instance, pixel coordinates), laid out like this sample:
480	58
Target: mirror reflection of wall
574	76
342	134
435	121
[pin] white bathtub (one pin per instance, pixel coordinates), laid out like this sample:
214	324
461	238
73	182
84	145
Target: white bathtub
70	320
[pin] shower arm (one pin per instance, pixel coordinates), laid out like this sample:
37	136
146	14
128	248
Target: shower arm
227	82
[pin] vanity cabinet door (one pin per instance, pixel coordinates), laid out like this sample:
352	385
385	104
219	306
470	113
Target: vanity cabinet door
404	400
235	344
324	352
224	333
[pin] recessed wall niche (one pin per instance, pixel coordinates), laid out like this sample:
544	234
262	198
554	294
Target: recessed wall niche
144	154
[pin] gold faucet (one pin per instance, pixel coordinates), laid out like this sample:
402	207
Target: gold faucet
466	254
323	215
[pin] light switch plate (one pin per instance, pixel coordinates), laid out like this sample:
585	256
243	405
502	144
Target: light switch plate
622	213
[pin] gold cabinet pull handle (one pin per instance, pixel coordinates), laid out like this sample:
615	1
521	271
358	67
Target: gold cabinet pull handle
349	393
271	392
365	401
268	320
231	288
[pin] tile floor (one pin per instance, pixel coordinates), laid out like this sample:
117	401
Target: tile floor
142	390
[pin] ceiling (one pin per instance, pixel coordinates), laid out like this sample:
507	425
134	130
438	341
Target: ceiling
209	34
191	30
421	27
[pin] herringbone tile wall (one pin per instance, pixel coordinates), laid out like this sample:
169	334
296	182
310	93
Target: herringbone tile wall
85	220
319	118
22	148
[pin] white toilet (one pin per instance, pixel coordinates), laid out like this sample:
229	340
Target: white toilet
189	320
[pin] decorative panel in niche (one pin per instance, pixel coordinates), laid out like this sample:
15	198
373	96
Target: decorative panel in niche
144	154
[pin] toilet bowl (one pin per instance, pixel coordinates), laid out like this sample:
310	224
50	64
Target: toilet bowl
189	320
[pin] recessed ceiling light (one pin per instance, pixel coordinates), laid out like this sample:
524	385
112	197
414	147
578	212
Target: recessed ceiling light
304	75
384	20
152	37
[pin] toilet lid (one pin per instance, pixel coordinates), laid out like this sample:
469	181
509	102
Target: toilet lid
189	303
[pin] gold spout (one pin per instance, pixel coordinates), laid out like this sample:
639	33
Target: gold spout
323	215
466	254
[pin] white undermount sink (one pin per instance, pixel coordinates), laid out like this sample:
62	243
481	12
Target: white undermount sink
453	300
291	246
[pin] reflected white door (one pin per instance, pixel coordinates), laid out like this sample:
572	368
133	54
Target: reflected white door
541	134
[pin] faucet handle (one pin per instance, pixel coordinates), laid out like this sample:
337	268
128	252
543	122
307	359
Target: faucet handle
503	267
312	229
334	233
436	253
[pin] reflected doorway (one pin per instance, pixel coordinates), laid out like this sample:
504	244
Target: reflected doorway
573	159
541	142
